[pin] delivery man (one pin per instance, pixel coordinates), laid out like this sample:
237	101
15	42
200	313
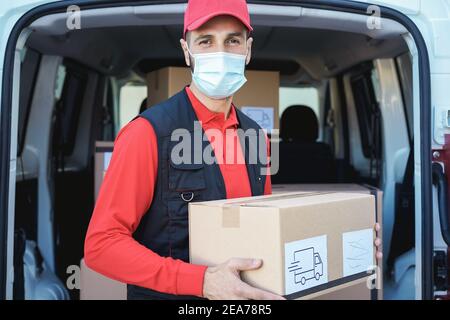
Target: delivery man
138	233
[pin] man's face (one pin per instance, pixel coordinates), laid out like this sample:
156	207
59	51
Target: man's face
220	34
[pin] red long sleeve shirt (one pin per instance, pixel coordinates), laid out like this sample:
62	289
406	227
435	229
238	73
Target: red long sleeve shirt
127	192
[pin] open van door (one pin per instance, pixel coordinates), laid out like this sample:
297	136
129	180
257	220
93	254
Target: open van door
10	53
432	227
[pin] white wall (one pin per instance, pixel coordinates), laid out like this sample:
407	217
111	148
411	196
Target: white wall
130	101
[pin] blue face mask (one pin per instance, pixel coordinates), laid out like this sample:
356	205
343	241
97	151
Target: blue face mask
218	74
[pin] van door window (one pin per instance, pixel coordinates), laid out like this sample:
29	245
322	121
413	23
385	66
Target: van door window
68	108
107	132
404	71
368	114
28	73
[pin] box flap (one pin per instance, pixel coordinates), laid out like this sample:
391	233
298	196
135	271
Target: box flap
257	199
231	207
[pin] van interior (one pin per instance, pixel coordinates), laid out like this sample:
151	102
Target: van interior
346	113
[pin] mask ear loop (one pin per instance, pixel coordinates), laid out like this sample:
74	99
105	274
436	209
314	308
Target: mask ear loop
191	54
189	51
246	53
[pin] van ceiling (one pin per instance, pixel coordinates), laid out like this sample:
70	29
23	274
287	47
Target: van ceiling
301	55
305	45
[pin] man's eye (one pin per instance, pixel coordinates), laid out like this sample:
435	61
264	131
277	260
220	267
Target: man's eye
234	41
203	42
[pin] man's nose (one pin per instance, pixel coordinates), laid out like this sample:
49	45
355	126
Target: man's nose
221	47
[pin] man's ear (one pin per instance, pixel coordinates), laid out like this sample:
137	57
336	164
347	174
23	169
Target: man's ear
185	52
249	50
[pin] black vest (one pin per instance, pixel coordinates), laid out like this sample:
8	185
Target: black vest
164	227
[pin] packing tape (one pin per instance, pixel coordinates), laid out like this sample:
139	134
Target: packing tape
231	214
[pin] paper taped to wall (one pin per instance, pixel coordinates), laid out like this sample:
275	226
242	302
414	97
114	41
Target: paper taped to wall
264	116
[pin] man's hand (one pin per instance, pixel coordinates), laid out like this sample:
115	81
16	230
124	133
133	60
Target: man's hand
223	282
377	242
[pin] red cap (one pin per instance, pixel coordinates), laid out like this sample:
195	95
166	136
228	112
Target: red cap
200	11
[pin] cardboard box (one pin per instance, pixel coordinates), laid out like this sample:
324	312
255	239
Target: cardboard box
258	98
361	291
307	241
103	153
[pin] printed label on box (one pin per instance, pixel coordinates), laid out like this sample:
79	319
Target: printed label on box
357	249
305	264
263	116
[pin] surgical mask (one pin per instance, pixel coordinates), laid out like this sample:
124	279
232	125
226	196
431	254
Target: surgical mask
218	74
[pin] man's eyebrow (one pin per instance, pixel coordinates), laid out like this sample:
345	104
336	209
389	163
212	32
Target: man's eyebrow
203	37
236	34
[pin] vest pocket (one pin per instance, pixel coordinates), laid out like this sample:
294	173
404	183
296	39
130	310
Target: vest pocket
186	177
186	182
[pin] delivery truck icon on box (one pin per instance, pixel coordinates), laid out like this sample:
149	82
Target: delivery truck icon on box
307	265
